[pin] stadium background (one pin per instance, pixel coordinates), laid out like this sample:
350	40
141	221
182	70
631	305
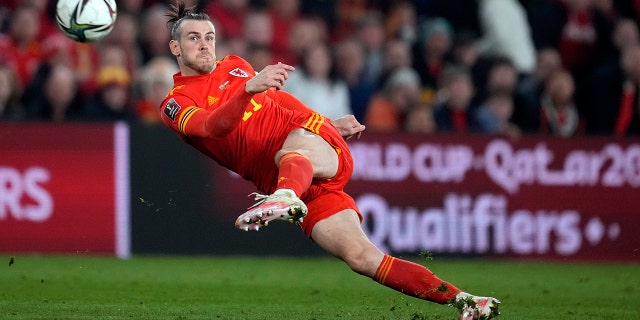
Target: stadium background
100	181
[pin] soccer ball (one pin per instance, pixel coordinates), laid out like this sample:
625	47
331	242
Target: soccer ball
86	20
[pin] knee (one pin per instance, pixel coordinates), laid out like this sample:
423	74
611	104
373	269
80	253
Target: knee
364	261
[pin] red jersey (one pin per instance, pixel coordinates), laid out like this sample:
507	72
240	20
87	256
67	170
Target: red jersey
249	149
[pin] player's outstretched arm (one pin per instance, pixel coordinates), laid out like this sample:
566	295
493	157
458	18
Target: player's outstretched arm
197	122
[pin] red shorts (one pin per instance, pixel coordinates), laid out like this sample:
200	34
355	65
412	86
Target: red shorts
326	197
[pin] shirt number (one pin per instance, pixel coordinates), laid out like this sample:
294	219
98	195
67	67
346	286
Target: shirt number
248	114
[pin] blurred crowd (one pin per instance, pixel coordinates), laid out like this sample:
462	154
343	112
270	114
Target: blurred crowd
512	67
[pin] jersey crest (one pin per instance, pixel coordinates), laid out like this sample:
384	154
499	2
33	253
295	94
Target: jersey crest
237	72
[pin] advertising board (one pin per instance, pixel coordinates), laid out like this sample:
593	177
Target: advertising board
64	189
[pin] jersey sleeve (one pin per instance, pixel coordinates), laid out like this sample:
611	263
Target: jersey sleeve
185	117
177	111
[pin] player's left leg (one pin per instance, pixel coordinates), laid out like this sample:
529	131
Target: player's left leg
342	236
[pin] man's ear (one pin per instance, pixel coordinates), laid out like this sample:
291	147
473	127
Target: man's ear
174	46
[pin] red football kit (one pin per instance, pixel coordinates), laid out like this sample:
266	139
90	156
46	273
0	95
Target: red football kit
200	109
243	132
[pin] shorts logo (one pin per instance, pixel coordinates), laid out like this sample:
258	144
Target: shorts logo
238	73
171	109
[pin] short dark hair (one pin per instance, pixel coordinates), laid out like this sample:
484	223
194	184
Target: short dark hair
179	12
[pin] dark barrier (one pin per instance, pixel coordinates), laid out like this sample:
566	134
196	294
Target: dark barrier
184	203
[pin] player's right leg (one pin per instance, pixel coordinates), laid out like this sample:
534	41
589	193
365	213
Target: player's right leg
303	156
342	236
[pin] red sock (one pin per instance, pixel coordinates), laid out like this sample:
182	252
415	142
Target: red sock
295	173
414	280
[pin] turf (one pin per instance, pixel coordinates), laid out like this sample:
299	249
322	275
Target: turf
84	287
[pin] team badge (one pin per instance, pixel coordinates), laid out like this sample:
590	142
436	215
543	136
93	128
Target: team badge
171	109
237	72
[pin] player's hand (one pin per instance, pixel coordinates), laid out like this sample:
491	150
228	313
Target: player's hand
272	76
348	126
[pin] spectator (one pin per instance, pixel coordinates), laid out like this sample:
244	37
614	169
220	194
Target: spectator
350	66
397	55
259	56
10	93
317	85
349	14
155	79
576	29
465	51
508	36
152	42
402	22
420	120
530	88
257	29
610	97
125	36
431	54
606	77
21	48
625	33
284	16
453	109
370	32
234	46
324	10
228	16
501	75
305	34
388	108
257	38
53	95
559	114
83	58
111	101
45	8
132	7
494	115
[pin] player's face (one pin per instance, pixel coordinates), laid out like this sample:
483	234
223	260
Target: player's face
195	50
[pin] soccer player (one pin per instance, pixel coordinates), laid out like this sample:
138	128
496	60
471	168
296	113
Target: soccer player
241	119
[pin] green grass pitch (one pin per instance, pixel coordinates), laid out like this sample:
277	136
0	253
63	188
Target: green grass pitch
85	287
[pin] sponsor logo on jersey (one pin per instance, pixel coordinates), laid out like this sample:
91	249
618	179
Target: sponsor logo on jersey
237	72
211	100
171	109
